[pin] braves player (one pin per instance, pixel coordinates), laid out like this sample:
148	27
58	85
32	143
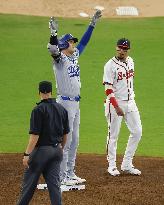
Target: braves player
67	73
120	104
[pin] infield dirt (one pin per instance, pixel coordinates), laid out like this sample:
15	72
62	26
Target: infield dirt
71	8
101	189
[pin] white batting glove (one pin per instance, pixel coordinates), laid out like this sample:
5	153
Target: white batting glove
53	26
95	18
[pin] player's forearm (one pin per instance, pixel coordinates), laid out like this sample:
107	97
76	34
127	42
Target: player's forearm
110	95
53	44
53	48
85	39
32	143
112	99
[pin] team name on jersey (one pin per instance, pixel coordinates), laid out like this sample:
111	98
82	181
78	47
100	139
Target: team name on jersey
74	70
126	75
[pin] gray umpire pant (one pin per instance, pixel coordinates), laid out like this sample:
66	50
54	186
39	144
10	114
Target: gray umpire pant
43	160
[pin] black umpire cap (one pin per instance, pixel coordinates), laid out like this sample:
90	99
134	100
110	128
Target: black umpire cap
45	87
123	43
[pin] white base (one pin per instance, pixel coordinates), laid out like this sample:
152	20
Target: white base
42	186
83	14
72	188
63	187
127	11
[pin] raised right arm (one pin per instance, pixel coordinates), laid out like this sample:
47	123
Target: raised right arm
53	44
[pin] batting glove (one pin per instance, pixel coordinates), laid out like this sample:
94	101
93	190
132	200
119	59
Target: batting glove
95	18
53	26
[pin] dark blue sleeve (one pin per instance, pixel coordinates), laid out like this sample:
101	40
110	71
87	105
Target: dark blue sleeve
85	39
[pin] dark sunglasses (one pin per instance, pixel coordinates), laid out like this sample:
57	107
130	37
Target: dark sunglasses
125	48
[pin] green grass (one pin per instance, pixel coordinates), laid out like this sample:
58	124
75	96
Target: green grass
24	61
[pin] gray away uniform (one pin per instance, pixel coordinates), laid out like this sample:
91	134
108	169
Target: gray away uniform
67	74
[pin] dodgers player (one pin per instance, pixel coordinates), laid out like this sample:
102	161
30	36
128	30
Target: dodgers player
67	73
120	104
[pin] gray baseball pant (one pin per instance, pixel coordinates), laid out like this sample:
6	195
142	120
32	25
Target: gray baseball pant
69	153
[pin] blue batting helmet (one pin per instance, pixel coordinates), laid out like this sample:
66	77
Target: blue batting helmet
63	41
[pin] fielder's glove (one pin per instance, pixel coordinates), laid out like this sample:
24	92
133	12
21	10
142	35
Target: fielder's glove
53	26
95	18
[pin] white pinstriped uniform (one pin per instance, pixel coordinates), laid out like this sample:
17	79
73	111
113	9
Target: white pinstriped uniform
120	75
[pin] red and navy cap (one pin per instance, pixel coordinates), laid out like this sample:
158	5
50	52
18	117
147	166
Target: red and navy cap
123	43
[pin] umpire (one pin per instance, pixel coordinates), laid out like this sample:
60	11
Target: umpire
49	127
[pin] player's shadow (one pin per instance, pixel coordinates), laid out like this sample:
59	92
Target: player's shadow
79	24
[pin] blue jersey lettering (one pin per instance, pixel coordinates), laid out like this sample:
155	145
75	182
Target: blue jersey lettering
74	71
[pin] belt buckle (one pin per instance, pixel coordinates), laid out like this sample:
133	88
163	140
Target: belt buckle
55	145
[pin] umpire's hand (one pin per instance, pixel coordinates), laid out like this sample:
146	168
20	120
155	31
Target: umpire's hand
25	161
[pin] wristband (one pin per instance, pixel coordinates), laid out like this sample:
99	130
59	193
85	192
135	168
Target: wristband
26	155
53	40
108	92
114	102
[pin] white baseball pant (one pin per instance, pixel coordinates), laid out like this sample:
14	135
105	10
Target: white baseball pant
133	122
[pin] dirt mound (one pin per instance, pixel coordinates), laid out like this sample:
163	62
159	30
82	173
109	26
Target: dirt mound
101	189
72	8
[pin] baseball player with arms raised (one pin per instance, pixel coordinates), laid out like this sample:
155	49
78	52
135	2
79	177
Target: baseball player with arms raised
120	104
65	56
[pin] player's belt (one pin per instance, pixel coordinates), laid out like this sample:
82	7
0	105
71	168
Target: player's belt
53	145
76	98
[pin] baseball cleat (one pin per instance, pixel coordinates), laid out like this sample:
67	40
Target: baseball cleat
113	171
78	179
130	170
